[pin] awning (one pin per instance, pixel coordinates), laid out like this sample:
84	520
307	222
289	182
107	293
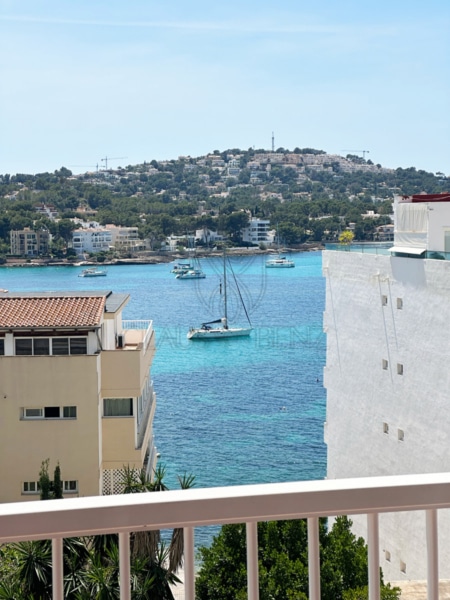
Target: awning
406	250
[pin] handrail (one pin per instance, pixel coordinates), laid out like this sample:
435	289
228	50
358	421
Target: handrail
211	506
249	504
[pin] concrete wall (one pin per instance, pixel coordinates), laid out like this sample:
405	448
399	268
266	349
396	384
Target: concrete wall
39	381
389	417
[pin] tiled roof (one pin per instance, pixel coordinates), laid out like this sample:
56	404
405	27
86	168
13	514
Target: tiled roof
57	311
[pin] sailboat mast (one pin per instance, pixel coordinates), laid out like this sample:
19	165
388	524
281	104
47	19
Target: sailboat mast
225	287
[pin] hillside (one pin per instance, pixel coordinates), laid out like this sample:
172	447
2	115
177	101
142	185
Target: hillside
307	194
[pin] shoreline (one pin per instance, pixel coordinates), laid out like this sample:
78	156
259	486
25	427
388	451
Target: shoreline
154	259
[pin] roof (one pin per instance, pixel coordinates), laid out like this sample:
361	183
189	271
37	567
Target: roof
52	309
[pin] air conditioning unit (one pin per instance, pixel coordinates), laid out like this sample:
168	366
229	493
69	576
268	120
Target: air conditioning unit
120	340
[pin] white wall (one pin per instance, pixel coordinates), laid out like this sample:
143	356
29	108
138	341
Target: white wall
363	329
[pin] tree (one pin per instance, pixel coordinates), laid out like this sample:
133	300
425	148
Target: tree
283	563
346	237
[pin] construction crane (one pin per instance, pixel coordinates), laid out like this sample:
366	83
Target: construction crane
363	152
105	160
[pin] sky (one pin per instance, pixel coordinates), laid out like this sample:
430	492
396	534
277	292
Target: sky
89	82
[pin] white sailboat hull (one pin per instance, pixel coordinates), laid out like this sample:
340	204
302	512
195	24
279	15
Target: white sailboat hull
218	333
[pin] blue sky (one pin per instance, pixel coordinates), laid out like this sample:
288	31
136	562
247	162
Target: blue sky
142	80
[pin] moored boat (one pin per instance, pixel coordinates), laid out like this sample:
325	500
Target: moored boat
207	332
93	272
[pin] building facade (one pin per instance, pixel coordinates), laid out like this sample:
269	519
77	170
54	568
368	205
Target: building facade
91	240
26	242
258	232
386	374
75	388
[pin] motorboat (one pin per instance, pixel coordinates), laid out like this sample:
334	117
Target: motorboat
191	274
280	262
93	272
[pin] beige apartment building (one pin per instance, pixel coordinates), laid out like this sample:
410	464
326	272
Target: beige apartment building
26	242
75	387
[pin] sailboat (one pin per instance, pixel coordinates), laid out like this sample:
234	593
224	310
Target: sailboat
207	331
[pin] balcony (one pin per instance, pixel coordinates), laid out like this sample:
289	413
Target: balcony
187	509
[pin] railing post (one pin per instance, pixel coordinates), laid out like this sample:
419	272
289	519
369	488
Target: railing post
57	569
314	558
252	561
189	565
373	540
124	566
432	555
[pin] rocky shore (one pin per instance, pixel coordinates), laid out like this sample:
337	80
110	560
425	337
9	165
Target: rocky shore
151	258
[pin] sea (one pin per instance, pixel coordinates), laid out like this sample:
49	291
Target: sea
230	412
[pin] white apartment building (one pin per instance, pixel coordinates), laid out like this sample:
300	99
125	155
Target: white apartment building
208	236
91	240
387	370
258	232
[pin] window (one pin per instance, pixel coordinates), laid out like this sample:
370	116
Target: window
2	346
24	347
385	428
399	369
69	412
384	300
41	346
33	413
78	345
401	435
60	346
31	487
50	412
70	487
387	555
403	567
384	364
399	303
118	407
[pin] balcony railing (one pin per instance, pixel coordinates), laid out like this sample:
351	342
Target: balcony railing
187	509
147	326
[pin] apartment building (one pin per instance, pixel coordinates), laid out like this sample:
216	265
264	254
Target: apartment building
27	242
387	375
126	238
75	388
91	240
258	232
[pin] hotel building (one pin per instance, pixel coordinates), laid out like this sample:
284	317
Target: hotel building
387	369
75	388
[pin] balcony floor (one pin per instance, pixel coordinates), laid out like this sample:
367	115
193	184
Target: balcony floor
417	590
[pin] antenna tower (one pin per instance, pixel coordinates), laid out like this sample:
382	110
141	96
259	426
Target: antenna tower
273	142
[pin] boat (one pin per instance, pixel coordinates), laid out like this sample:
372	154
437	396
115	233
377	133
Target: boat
279	262
191	274
182	267
208	330
93	272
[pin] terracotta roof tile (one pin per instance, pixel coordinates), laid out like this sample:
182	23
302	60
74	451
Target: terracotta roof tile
72	311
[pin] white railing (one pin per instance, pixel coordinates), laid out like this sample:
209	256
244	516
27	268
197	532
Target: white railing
140	324
57	519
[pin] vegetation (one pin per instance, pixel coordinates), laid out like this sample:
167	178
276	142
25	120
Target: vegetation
283	563
180	196
91	565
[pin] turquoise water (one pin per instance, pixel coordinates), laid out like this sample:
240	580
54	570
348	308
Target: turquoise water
248	410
